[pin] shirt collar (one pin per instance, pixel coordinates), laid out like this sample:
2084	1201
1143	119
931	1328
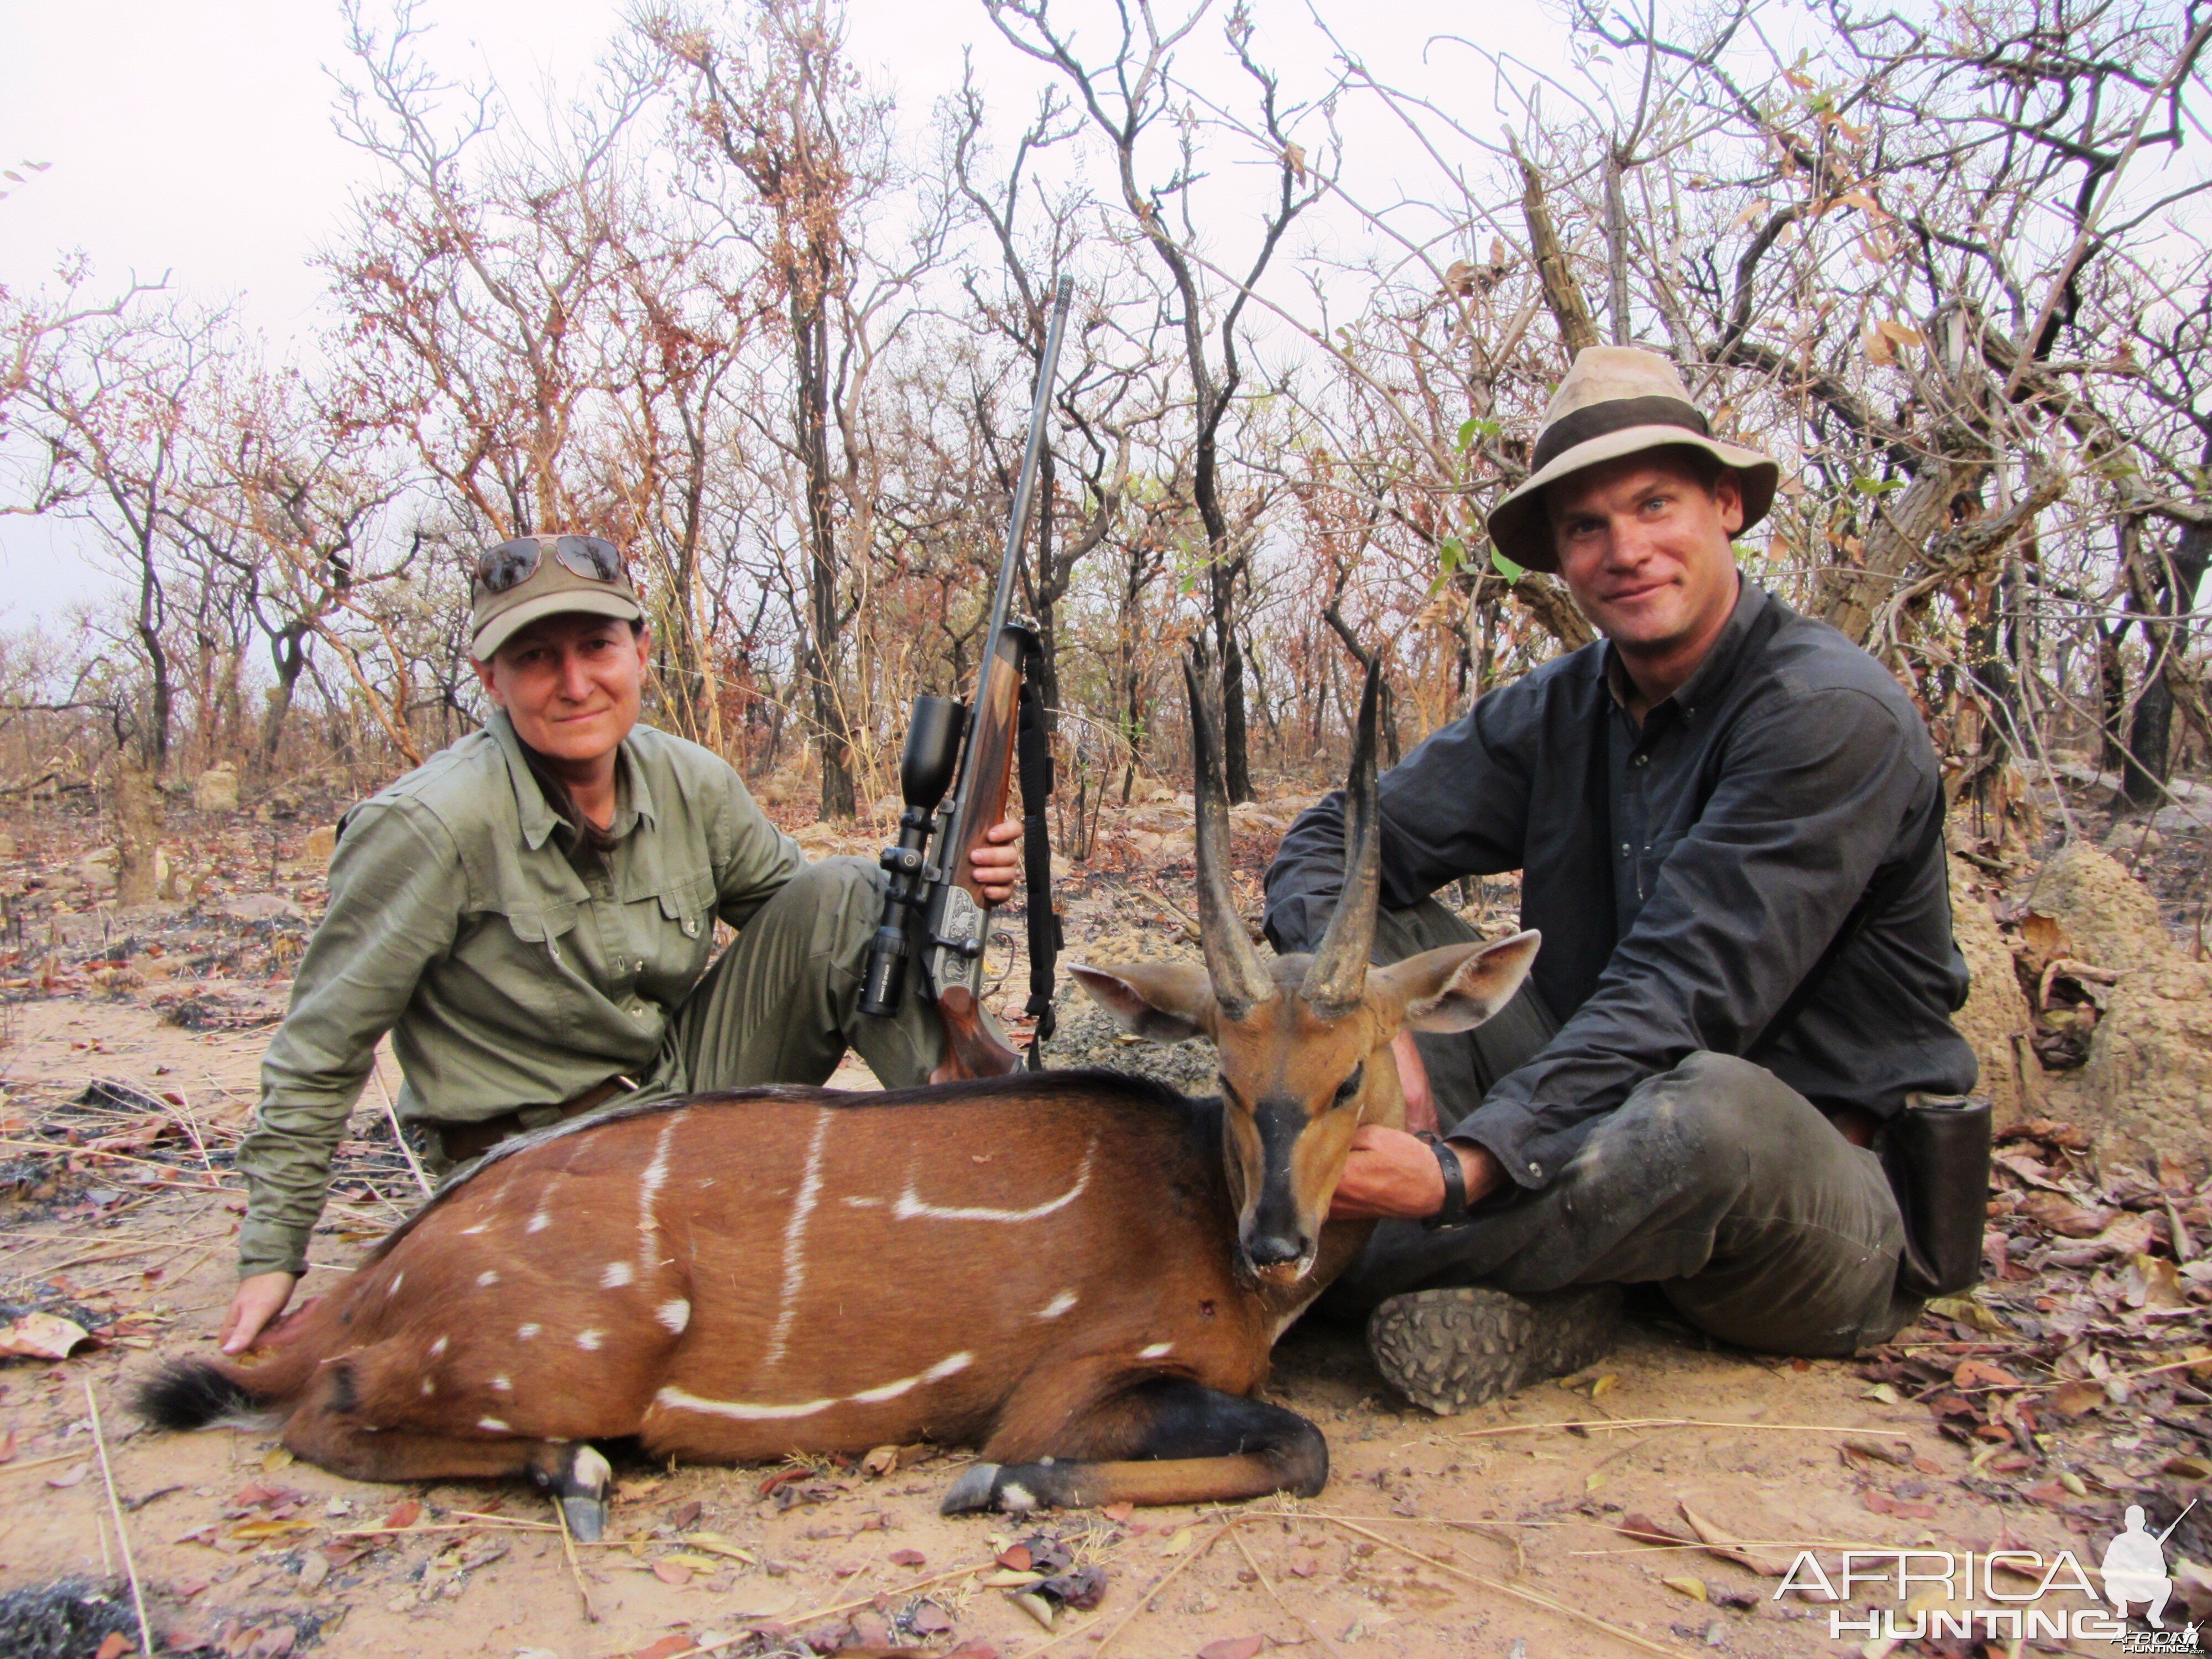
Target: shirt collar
538	818
633	799
1718	667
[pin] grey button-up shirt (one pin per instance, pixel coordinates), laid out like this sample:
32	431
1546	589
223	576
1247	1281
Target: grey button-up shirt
457	922
1686	875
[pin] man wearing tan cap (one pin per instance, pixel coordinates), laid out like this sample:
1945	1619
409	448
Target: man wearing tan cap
1728	822
531	917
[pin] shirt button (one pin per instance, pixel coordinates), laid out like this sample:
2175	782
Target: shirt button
1642	760
1535	1169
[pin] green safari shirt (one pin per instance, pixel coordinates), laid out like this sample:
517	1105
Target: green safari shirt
456	923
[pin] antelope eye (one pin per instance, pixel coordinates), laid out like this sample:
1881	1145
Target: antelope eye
1350	1086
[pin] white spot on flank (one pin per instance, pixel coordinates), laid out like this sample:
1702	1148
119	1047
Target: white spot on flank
794	1239
491	1425
616	1275
1059	1305
587	1341
438	1347
539	1222
429	1387
865	1203
1158	1351
675	1399
468	1232
911	1207
502	1385
392	1289
488	1279
675	1314
590	1469
525	1332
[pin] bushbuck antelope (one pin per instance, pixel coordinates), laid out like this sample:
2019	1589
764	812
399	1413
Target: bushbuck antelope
1082	1272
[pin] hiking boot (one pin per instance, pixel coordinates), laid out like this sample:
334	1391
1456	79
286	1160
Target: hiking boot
1447	1350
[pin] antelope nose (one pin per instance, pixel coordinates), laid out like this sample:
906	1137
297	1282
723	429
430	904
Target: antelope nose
1274	1250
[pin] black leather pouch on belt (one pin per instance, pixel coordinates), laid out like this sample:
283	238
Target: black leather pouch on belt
1936	1154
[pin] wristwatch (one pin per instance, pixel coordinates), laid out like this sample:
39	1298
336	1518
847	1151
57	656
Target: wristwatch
1454	1213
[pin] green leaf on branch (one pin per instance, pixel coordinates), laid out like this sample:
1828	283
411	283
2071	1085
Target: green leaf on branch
1505	567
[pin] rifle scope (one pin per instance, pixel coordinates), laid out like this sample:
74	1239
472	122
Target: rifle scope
926	769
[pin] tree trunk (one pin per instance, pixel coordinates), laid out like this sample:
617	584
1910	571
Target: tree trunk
2148	762
291	658
137	832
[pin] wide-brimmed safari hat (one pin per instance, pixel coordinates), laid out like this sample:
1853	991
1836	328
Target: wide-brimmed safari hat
519	581
1615	401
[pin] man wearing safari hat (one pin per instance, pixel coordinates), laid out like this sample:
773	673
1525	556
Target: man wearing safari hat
1727	819
531	915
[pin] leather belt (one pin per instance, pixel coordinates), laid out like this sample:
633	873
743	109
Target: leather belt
463	1141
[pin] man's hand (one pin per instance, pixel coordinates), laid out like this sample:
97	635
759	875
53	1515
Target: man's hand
1394	1177
259	1299
1413	1084
997	862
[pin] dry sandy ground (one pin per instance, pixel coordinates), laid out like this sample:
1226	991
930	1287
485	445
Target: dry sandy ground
1495	1533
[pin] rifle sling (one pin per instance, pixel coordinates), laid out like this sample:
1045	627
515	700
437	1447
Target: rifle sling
1033	761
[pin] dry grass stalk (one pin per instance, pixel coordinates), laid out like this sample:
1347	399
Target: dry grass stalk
391	1115
122	1538
1520	1593
569	1551
1268	1585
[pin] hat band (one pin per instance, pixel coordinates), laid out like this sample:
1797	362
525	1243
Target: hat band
1615	415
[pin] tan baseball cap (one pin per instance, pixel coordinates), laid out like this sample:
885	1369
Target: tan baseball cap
530	577
1616	401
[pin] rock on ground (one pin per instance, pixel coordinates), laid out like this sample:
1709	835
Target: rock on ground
1996	1010
2109	918
2150	1064
216	790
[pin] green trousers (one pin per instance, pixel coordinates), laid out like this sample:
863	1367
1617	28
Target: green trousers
1714	1181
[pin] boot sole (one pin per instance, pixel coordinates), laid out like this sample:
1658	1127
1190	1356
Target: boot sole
1447	1349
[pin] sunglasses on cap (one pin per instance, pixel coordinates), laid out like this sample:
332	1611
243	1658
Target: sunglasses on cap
512	563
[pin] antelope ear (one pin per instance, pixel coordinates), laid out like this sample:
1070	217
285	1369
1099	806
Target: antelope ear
1166	1001
1458	987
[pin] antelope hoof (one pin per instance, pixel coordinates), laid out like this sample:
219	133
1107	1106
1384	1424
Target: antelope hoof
579	1482
973	1492
587	1518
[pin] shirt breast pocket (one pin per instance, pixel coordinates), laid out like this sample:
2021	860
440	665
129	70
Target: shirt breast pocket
686	926
545	926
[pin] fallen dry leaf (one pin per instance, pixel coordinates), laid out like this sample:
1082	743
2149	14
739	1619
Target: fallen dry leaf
672	1573
1644	1530
1727	1548
1693	1587
666	1646
909	1559
43	1336
114	1645
1980	1374
70	1477
1230	1647
404	1513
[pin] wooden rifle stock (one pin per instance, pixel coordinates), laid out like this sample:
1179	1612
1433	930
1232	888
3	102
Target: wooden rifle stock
957	922
970	1049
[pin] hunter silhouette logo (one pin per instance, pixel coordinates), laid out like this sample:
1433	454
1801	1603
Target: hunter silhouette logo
2001	1596
2135	1567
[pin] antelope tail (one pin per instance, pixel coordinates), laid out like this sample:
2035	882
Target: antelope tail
194	1394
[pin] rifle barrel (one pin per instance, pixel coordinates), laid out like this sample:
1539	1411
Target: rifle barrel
1017	520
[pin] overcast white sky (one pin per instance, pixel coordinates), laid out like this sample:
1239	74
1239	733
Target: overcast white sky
195	139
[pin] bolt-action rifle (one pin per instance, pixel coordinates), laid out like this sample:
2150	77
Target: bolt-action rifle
972	749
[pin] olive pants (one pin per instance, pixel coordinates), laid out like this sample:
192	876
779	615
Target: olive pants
1715	1180
782	1004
